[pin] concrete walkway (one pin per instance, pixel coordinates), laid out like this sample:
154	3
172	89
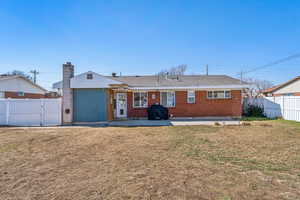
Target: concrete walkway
181	122
147	123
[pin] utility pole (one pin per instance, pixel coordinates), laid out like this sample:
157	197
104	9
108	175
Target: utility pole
206	70
241	76
35	73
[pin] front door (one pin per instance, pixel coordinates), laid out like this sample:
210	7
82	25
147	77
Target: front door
121	105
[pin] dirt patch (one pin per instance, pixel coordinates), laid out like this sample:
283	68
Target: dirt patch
191	162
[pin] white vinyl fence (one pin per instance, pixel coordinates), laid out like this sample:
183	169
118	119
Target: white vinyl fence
287	107
30	112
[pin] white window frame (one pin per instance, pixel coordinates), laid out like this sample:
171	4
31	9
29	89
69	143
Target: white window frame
21	94
191	94
89	76
2	95
167	99
212	97
140	101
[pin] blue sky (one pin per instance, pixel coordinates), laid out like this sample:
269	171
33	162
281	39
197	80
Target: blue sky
144	37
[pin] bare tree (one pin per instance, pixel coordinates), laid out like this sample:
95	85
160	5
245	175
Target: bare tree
174	72
18	73
257	86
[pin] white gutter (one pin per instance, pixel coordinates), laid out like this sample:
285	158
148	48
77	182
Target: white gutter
238	87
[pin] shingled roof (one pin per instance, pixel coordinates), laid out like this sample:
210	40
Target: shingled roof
181	81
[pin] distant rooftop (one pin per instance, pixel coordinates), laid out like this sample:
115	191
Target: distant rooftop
6	77
277	87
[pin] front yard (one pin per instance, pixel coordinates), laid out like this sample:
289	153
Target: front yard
260	160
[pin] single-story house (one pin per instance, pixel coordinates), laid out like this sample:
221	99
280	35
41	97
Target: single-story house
290	88
19	87
91	97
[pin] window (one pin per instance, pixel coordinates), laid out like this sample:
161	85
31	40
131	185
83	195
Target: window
21	94
227	94
2	95
218	94
140	99
191	97
89	76
167	99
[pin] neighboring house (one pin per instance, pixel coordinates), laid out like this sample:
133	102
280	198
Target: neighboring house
290	88
91	97
12	86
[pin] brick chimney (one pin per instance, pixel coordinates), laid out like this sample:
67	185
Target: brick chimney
67	99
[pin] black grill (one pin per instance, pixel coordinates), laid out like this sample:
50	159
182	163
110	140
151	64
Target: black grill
158	112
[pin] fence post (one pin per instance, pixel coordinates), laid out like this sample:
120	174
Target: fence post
42	113
7	112
265	107
283	109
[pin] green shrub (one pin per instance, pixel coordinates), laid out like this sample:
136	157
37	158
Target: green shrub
254	111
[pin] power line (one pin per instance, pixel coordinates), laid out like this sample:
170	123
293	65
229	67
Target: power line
294	56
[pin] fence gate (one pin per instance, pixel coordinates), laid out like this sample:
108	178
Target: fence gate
30	112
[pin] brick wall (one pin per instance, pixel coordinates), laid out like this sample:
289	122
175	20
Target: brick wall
141	112
14	95
203	107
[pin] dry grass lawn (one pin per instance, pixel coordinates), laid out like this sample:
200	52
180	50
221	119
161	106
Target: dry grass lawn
259	161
